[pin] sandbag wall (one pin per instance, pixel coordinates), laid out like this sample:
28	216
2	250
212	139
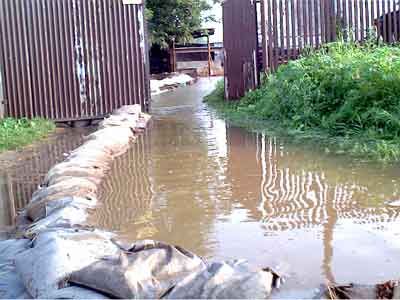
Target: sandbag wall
59	256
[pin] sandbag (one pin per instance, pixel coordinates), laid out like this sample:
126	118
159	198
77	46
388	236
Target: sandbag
75	184
113	135
11	285
95	160
146	271
143	120
227	280
123	120
95	175
128	109
64	213
75	292
73	187
103	149
55	255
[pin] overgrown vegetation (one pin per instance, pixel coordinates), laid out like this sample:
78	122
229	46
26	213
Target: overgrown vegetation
15	133
346	94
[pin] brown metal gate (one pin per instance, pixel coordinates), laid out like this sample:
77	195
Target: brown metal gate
241	44
72	59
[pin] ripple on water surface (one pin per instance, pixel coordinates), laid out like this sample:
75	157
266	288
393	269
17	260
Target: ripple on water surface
226	193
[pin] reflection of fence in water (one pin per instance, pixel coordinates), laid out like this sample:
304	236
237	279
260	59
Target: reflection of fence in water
127	189
305	200
29	173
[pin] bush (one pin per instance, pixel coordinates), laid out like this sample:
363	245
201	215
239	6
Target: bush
344	90
15	133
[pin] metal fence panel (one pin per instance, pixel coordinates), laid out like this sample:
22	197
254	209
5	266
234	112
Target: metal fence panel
241	44
289	27
72	59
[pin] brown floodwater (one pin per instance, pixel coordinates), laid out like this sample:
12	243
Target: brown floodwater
224	193
22	171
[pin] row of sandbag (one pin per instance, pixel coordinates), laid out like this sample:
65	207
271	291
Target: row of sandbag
70	187
60	258
82	264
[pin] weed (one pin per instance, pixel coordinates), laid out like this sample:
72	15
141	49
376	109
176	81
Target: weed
15	133
346	92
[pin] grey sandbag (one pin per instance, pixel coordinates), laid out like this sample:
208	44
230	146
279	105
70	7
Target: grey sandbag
146	271
75	292
11	285
38	212
73	187
56	254
227	280
64	213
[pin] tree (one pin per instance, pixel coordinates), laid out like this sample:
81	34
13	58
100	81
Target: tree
170	20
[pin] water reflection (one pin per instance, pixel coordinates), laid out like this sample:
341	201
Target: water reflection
226	193
22	172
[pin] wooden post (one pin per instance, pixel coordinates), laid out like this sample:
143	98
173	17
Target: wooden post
209	55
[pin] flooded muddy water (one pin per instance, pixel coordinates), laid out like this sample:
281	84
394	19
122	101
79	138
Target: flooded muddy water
21	172
223	192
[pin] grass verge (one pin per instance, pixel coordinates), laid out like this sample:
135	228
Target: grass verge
345	96
15	133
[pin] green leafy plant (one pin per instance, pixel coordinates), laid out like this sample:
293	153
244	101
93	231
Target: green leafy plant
347	91
15	133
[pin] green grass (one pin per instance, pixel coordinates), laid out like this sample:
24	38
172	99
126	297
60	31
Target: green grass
15	133
344	94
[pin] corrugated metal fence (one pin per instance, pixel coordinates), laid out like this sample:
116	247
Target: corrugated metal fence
288	27
72	59
294	25
240	43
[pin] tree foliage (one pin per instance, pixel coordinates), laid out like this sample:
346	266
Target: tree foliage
170	20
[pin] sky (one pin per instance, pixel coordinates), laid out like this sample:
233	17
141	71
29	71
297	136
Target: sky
217	12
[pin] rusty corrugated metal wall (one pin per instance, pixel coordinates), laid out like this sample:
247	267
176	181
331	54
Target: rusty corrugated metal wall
72	59
241	44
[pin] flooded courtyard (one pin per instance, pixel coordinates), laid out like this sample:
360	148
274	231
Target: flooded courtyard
225	193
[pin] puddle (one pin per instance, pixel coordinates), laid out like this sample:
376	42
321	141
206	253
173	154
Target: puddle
24	170
225	193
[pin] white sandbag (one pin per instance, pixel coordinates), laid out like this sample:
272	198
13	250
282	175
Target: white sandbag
113	135
104	147
63	213
123	120
148	270
76	164
75	292
95	175
228	280
72	186
128	109
11	285
46	267
90	158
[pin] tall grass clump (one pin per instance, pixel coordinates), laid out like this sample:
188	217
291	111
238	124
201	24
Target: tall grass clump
346	91
15	133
